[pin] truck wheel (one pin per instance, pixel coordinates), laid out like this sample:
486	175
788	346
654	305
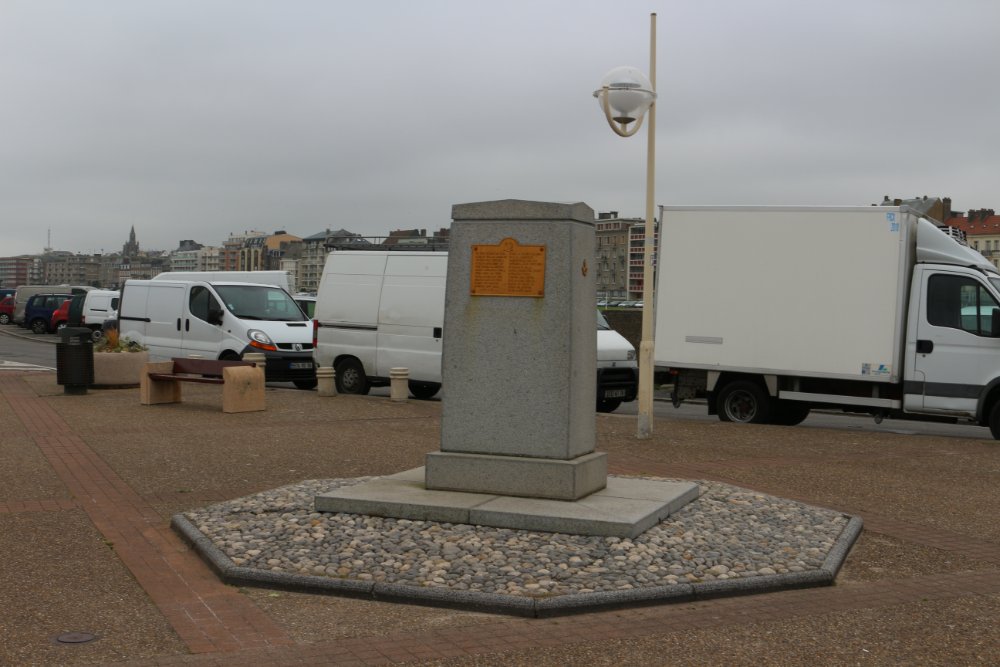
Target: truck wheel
4	318
39	326
790	413
608	404
423	390
351	378
744	402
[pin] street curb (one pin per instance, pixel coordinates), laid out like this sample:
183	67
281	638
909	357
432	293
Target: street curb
33	338
232	574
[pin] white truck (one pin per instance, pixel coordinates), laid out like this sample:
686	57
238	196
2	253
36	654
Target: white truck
376	310
771	311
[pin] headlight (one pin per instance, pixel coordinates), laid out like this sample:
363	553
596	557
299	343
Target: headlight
260	339
631	355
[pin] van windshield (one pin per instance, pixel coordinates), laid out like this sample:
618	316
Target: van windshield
602	324
259	302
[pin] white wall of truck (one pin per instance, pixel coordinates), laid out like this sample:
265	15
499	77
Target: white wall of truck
770	311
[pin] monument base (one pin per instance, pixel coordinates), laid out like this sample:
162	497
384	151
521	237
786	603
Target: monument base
555	479
626	507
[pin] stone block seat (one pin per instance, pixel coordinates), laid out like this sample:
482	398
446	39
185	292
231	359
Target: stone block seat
242	382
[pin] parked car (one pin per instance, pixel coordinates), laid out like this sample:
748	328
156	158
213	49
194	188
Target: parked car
39	308
7	309
25	292
60	316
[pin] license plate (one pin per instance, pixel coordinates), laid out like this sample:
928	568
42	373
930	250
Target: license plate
300	364
614	393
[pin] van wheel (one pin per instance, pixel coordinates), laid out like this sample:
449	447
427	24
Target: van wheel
423	390
96	335
351	378
995	421
608	404
38	326
744	402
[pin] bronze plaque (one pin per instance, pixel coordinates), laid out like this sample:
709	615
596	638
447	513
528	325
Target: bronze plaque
508	269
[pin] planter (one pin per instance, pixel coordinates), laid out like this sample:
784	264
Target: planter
118	369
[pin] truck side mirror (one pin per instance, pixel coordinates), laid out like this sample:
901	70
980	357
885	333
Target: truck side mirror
214	315
995	323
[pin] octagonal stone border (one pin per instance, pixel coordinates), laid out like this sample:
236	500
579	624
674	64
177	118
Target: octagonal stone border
233	574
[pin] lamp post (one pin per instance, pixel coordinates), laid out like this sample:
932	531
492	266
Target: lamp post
627	96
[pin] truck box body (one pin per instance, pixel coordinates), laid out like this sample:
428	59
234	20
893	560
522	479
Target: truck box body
769	312
785	290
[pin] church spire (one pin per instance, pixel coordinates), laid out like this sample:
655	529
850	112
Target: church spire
131	249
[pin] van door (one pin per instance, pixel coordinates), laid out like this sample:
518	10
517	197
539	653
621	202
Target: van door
954	356
201	339
164	308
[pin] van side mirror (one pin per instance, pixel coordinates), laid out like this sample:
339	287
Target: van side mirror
214	315
995	323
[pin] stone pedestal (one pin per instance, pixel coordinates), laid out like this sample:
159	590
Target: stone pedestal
519	356
519	374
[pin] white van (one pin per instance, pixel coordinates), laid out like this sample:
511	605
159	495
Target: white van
220	320
377	310
99	306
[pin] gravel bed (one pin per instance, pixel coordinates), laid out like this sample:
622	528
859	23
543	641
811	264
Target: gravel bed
727	533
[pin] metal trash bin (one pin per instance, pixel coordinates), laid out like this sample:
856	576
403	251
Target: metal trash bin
75	360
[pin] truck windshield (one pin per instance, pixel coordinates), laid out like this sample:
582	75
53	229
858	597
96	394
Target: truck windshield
259	302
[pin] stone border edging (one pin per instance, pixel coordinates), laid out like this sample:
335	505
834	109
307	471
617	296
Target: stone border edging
514	605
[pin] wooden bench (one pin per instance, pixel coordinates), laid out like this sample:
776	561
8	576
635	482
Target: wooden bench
242	382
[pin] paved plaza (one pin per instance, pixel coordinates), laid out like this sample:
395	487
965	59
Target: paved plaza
90	484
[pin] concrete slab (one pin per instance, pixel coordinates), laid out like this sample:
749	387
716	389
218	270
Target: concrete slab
626	508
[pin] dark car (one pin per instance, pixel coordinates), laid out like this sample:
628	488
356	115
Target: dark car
38	311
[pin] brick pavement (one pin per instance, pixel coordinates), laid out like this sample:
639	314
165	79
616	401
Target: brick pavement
207	615
222	627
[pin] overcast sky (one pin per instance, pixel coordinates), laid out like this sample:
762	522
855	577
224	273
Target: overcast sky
192	119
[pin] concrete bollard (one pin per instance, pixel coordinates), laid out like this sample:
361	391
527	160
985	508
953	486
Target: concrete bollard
326	384
399	380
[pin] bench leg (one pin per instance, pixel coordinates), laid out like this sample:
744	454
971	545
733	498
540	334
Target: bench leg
154	392
242	389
